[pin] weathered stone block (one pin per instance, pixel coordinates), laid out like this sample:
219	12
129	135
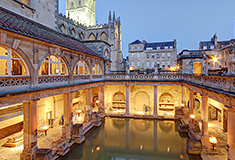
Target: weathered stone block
77	133
43	154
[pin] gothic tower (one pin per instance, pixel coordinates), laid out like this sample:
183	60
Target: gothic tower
82	11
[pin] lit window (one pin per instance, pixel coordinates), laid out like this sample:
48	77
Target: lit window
158	55
138	55
53	65
171	47
138	48
11	63
81	68
26	2
149	48
138	63
132	55
158	48
166	47
163	55
212	47
97	69
168	64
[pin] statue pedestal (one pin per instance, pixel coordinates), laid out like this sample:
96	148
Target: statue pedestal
95	119
77	133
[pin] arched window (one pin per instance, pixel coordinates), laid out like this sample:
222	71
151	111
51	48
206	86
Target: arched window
106	53
53	65
81	68
91	37
82	36
26	2
11	63
97	69
73	32
104	37
63	28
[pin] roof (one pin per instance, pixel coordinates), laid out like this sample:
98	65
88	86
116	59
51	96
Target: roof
192	54
136	42
20	25
159	44
211	43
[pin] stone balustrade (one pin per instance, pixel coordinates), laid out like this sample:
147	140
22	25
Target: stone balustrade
223	83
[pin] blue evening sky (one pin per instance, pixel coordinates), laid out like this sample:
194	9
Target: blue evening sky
187	21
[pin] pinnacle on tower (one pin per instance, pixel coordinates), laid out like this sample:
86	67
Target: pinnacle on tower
109	17
114	19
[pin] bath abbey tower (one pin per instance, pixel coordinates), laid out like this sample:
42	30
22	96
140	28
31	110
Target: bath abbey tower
104	39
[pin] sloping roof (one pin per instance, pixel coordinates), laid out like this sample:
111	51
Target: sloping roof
20	25
159	44
136	42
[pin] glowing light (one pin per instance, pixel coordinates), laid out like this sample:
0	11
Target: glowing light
181	156
141	147
97	101
192	116
182	105
215	59
131	68
45	127
213	140
173	68
98	148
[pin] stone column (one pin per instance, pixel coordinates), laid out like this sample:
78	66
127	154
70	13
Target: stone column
155	135
29	130
127	133
190	101
88	105
101	108
68	110
231	135
155	102
127	100
204	115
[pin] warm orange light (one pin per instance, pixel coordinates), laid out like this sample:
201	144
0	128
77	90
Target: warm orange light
79	111
173	68
45	127
192	116
98	148
97	101
182	105
131	68
215	59
213	140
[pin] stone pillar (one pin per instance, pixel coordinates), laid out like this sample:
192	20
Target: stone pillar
155	135
77	133
231	135
88	105
101	108
190	101
204	115
127	133
29	130
155	102
127	100
68	110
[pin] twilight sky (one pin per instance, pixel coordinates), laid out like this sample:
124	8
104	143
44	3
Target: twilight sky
187	21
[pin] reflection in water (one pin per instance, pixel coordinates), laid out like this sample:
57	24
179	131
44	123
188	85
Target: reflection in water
131	139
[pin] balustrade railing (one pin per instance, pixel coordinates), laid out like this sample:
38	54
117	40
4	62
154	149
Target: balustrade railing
81	77
53	79
14	81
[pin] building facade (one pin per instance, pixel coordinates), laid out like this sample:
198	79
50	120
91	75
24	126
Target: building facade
155	56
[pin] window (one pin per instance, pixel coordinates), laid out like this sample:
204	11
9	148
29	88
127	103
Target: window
138	55
132	48
97	69
81	68
147	65
11	63
153	64
147	55
168	64
132	64
168	55
212	47
158	64
163	55
158	55
26	2
138	48
163	64
171	47
149	48
138	64
132	55
204	47
53	65
158	48
166	47
152	55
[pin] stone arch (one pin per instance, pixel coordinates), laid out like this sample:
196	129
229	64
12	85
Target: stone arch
97	69
104	37
61	57
76	68
82	37
91	37
141	99
106	53
63	28
166	98
119	96
73	32
25	60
